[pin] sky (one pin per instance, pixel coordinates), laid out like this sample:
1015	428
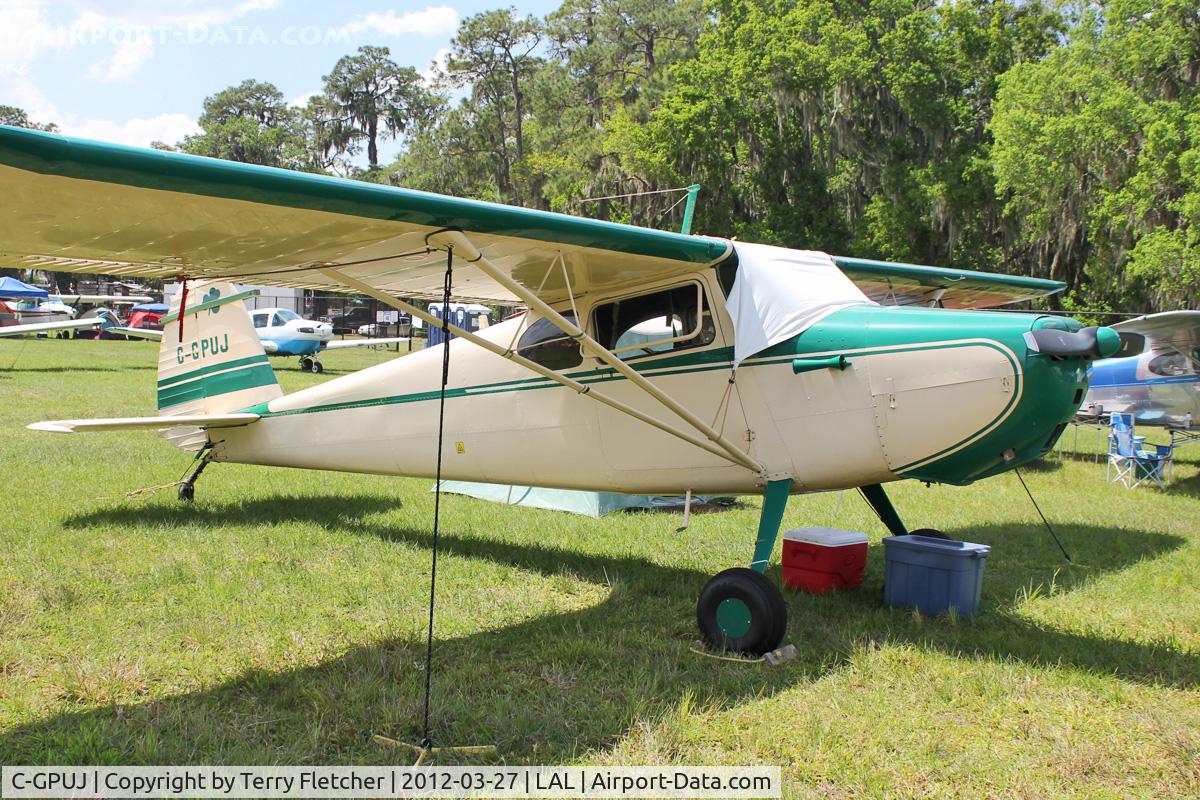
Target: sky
136	71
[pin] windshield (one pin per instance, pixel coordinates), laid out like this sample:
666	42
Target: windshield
283	315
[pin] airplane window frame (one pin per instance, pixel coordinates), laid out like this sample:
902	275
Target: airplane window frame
1154	366
705	321
265	319
564	351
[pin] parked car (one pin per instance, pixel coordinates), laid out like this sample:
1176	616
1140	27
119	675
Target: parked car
349	321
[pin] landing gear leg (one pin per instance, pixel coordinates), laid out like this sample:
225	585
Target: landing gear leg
879	501
877	497
311	364
740	609
187	489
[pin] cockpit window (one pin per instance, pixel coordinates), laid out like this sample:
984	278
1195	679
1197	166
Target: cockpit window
674	319
546	344
260	320
1170	364
284	315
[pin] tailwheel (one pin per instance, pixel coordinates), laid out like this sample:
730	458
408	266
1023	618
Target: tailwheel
187	492
741	610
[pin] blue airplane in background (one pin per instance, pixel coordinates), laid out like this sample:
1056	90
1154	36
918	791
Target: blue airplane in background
283	332
1159	386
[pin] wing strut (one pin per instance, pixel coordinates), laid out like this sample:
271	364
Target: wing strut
459	241
533	366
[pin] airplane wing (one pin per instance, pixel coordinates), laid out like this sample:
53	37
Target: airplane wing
1176	329
138	333
78	206
159	214
914	285
113	299
44	327
344	343
146	423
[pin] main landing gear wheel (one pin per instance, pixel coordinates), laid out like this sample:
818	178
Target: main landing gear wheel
931	533
741	610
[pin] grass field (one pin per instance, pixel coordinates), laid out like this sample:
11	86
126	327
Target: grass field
281	619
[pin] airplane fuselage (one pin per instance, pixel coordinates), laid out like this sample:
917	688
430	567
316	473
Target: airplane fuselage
947	396
1159	387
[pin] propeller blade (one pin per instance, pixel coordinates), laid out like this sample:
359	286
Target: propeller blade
1091	342
1132	344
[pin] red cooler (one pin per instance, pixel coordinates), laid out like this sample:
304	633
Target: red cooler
823	559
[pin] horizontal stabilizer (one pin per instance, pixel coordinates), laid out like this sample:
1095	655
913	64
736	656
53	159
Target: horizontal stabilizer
47	327
138	333
146	423
364	342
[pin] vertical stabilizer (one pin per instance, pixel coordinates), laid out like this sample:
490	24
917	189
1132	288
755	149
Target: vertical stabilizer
218	365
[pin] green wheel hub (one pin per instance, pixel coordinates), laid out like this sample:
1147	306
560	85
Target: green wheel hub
733	617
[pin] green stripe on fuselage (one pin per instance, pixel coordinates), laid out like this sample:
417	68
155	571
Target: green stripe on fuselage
236	380
196	373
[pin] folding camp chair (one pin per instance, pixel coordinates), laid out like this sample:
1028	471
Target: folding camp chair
1128	462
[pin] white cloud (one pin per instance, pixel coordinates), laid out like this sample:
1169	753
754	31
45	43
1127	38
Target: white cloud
431	21
302	100
172	15
430	76
122	64
134	31
140	131
25	36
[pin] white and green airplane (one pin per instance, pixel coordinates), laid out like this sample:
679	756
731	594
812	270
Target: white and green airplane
776	371
104	320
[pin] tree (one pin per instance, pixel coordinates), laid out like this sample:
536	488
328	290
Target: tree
846	125
252	123
1098	155
17	118
370	97
493	56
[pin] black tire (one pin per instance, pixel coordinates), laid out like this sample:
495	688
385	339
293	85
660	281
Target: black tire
317	367
761	598
931	533
187	492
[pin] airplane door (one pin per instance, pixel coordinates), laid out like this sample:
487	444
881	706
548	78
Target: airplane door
670	336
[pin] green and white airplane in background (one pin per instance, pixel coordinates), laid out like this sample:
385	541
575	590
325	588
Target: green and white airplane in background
777	371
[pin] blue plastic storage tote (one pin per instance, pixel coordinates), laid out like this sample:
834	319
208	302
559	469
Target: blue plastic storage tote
933	575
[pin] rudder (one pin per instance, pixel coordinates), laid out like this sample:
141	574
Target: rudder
219	364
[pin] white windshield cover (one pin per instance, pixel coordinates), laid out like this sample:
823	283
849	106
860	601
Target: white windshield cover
779	293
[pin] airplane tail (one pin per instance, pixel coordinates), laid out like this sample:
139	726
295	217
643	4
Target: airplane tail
214	362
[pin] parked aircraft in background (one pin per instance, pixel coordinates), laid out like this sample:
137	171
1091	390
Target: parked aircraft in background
1159	386
283	332
64	307
104	320
782	372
